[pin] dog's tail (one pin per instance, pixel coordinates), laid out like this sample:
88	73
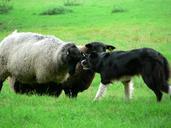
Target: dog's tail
166	69
162	61
160	72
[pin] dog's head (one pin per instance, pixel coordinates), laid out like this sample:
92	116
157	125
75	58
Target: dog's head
98	47
71	57
92	50
91	61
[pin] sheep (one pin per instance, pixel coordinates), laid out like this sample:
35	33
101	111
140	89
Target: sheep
30	58
79	82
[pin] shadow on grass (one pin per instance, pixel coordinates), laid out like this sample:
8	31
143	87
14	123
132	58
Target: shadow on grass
5	7
71	3
56	11
118	10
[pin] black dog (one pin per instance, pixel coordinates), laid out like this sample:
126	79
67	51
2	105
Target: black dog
150	64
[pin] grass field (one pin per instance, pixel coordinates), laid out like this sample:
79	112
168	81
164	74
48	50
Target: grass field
140	23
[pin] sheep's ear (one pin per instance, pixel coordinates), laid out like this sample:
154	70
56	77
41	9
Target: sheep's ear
110	47
67	53
73	45
88	45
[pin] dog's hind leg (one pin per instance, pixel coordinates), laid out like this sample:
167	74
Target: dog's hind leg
158	94
128	88
150	82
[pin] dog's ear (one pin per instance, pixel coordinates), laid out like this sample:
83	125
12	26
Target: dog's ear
89	46
110	47
93	55
107	54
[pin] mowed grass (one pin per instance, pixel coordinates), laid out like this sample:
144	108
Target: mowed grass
144	23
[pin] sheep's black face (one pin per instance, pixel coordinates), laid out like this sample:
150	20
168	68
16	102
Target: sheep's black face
72	58
98	47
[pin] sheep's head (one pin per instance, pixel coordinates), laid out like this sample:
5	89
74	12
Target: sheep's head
72	57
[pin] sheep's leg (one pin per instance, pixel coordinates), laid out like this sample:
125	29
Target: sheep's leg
3	76
11	82
71	93
1	84
53	89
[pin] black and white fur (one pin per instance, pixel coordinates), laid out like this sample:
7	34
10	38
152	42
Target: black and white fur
150	64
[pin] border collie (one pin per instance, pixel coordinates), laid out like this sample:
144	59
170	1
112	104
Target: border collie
150	64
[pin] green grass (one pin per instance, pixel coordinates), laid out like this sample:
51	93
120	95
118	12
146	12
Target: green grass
112	111
145	23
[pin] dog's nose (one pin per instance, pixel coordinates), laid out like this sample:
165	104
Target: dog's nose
83	62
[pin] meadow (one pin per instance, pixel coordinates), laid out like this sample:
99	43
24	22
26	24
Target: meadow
126	24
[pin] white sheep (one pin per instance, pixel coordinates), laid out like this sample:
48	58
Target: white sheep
34	58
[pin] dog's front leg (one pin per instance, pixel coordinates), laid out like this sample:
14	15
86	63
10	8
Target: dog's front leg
129	89
102	88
